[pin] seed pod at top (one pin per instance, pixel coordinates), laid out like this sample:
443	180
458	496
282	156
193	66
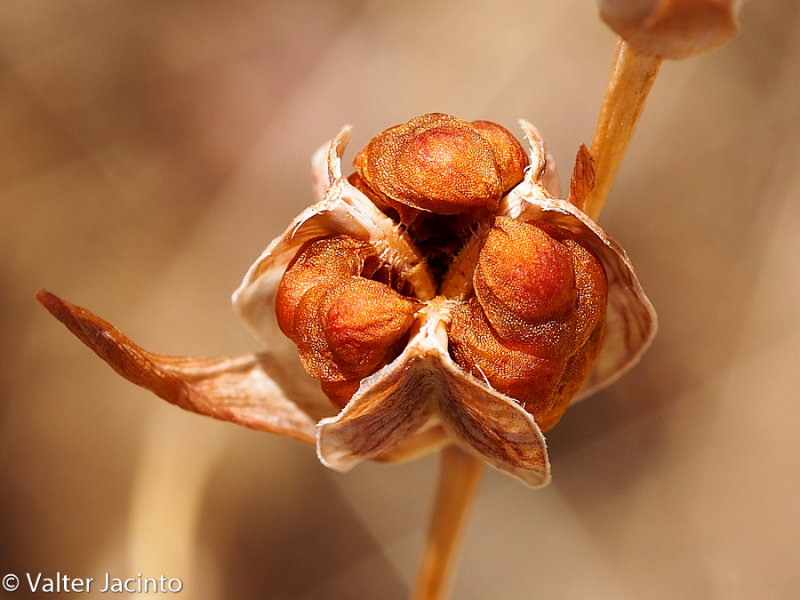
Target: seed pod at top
672	29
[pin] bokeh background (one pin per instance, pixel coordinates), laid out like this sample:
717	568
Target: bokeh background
148	152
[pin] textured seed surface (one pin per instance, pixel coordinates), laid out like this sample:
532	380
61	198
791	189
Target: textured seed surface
441	164
345	325
318	263
533	328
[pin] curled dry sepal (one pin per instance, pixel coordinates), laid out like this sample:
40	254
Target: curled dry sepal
440	294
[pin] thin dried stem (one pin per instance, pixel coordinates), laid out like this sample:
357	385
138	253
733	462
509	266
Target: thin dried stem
632	76
459	474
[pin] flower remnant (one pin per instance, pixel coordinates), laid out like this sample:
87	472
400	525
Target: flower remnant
439	294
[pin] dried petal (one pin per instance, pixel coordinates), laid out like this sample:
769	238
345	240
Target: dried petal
395	413
249	390
375	422
583	178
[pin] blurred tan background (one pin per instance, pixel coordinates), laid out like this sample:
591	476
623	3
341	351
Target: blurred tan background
150	150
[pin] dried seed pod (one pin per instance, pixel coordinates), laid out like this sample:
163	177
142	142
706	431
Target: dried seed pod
672	28
363	319
497	398
524	279
377	310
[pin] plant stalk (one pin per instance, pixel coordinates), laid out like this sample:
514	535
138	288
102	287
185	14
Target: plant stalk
632	76
459	474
